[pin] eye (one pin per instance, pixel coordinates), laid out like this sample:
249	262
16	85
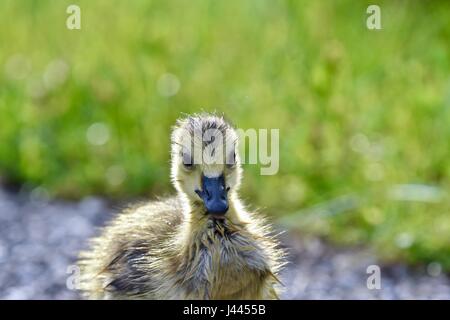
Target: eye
188	162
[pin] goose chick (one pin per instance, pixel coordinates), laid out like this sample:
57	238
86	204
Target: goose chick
200	244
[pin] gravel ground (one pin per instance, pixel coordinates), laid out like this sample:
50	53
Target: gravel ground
39	241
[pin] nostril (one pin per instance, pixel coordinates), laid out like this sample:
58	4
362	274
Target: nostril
199	193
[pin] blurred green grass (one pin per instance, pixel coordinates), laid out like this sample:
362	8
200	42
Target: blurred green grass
360	112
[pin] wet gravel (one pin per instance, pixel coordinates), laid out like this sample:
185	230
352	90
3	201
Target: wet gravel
39	241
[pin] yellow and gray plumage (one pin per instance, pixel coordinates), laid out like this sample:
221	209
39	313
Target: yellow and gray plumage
200	244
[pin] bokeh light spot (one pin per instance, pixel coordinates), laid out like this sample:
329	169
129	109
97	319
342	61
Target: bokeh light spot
404	240
115	175
55	74
97	134
17	67
434	269
168	85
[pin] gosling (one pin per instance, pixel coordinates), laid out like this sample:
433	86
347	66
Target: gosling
200	244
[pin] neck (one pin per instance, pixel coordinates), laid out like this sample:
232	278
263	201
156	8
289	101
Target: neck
197	224
210	251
